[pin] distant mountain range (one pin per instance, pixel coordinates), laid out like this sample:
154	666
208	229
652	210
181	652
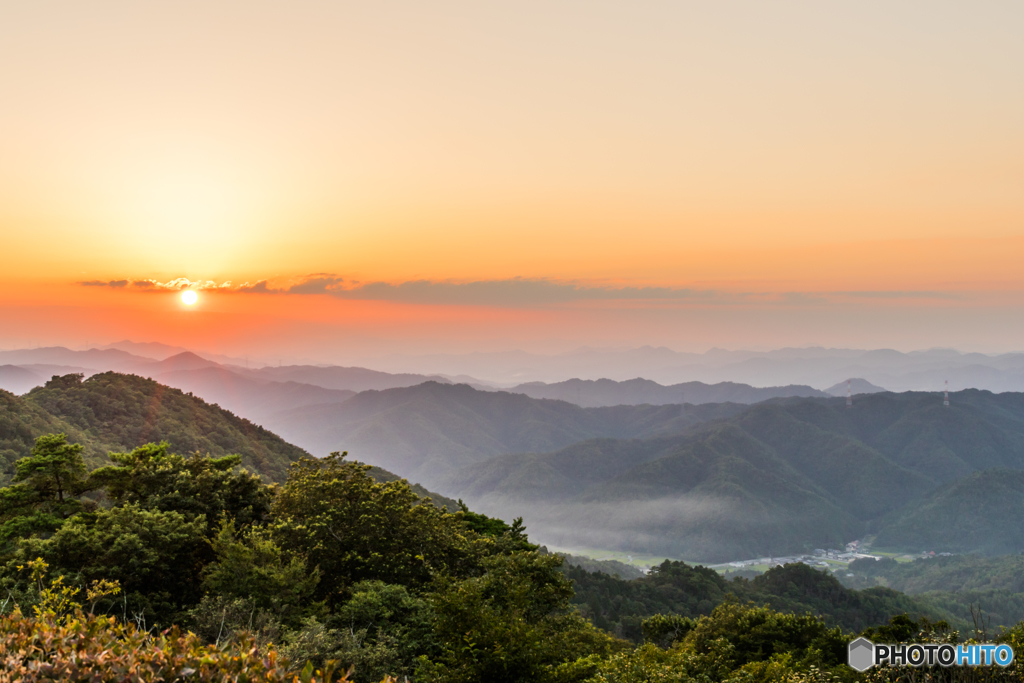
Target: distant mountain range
853	387
17	379
708	482
428	430
254	399
250	393
781	476
260	394
606	392
814	366
791	371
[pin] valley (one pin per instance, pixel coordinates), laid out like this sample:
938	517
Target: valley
710	482
656	508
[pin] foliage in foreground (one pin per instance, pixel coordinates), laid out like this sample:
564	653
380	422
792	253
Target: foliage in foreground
89	648
338	570
330	565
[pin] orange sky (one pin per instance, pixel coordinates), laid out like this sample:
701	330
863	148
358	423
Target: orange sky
782	173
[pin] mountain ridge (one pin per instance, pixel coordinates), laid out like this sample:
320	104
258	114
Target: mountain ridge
733	484
428	429
607	392
116	412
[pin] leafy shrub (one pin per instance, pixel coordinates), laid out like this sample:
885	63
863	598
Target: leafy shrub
90	648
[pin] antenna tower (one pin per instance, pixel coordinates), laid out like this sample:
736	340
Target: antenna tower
849	394
945	401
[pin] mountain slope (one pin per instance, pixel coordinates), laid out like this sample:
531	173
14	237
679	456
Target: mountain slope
424	432
156	360
112	412
334	377
855	386
21	422
181	362
713	495
152	350
810	438
106	359
980	430
782	476
606	392
252	399
535	477
125	411
18	380
970	515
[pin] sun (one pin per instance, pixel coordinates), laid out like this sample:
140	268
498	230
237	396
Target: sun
189	297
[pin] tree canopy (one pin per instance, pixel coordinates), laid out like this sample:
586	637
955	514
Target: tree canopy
335	568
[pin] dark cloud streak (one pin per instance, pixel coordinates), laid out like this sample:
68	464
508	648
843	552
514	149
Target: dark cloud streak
511	293
117	284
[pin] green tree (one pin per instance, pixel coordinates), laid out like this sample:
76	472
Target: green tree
512	624
355	529
645	664
756	634
252	568
46	489
152	478
665	629
735	644
156	557
900	629
379	631
496	528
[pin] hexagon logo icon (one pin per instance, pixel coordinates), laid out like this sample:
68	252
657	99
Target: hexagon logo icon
861	654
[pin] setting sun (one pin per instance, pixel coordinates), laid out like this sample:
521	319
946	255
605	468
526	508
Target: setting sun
189	297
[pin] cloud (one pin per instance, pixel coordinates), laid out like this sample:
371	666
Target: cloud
510	292
898	295
260	287
321	283
117	284
175	285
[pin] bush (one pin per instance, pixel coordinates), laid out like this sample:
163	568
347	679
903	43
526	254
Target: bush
90	648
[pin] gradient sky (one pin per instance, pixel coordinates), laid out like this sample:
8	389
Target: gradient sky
344	179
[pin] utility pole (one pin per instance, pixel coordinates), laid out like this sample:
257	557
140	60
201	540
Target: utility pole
849	394
945	401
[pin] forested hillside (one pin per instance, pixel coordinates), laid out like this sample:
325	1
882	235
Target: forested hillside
345	562
21	422
992	586
114	412
335	571
971	514
424	432
119	412
782	476
711	482
620	606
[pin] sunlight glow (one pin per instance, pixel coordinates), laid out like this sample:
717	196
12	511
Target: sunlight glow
189	297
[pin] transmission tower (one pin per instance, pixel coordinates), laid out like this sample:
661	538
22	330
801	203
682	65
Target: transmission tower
849	394
945	401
